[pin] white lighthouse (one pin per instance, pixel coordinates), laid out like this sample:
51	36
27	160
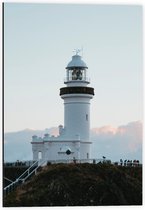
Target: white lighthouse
74	137
76	98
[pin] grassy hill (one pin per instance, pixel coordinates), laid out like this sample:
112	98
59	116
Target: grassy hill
80	185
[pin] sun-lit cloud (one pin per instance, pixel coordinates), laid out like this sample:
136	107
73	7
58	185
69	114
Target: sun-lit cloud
123	141
108	129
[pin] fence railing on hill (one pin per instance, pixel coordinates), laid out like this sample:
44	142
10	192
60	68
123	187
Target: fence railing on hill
23	177
18	163
93	160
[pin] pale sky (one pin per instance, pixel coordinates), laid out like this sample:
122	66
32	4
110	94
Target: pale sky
39	40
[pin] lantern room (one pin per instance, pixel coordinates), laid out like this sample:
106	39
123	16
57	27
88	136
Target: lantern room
76	70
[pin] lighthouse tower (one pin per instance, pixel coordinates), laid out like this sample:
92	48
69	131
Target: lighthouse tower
76	96
73	140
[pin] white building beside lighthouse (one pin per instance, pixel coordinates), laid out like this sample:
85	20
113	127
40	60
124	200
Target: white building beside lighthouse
73	140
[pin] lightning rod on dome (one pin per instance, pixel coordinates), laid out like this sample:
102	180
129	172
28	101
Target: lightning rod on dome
77	51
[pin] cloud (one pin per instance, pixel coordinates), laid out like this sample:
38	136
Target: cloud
17	145
122	142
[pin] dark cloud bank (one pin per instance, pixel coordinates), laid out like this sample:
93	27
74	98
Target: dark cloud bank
114	143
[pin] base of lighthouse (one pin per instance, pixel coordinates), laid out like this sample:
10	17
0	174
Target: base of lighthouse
55	148
85	150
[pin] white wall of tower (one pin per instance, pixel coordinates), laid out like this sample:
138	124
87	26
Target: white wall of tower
77	116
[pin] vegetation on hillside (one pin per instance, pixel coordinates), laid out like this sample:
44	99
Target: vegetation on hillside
80	185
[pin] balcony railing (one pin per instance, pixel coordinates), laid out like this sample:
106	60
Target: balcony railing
77	90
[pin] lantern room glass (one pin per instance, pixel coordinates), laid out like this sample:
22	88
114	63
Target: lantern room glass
76	74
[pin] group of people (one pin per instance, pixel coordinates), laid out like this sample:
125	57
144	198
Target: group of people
129	162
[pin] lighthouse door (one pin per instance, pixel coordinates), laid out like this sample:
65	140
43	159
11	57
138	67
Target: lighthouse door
39	155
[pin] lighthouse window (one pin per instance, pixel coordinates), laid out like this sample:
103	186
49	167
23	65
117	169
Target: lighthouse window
87	117
76	74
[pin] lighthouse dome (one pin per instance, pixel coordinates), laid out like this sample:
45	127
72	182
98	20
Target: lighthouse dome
76	62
